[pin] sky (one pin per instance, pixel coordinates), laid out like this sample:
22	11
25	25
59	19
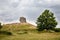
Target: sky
12	10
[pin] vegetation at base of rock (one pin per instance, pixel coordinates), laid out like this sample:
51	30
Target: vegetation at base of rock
18	27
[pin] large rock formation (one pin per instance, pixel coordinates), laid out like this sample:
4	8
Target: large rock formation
22	20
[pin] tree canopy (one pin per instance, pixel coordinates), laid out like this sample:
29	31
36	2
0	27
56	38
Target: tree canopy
46	21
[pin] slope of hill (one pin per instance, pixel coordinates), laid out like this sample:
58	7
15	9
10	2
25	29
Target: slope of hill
18	26
26	33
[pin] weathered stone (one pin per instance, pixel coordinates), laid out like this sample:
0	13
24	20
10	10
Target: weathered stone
22	20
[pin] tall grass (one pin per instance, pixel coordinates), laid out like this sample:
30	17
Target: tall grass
33	36
27	32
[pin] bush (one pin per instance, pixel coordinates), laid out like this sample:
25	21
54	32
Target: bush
0	26
40	29
57	30
5	32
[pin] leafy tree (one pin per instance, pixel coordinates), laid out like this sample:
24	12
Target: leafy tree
0	26
46	21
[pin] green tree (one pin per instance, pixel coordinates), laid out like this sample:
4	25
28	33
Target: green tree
46	21
0	26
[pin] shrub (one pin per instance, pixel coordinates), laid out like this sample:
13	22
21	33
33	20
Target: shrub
5	32
0	26
57	29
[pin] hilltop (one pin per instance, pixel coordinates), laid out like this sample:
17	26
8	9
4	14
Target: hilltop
23	25
18	26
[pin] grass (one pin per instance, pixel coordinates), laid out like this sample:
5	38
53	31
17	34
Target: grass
17	27
32	36
27	32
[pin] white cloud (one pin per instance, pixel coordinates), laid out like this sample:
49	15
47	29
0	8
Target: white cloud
49	2
58	25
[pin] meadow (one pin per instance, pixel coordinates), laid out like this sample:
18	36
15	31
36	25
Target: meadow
31	36
27	33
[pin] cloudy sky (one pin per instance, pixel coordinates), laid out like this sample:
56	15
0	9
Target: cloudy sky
11	10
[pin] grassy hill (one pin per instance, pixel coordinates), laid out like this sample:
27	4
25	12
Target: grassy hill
26	31
18	27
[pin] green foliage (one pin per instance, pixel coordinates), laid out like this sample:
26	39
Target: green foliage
0	26
46	21
57	29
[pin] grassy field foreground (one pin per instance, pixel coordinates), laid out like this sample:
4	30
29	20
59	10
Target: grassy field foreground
31	36
26	32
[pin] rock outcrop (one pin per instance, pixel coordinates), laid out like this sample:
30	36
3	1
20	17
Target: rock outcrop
22	20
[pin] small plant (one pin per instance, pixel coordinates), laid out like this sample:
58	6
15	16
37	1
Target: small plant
5	32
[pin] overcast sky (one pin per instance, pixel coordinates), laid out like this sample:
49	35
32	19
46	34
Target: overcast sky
11	10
